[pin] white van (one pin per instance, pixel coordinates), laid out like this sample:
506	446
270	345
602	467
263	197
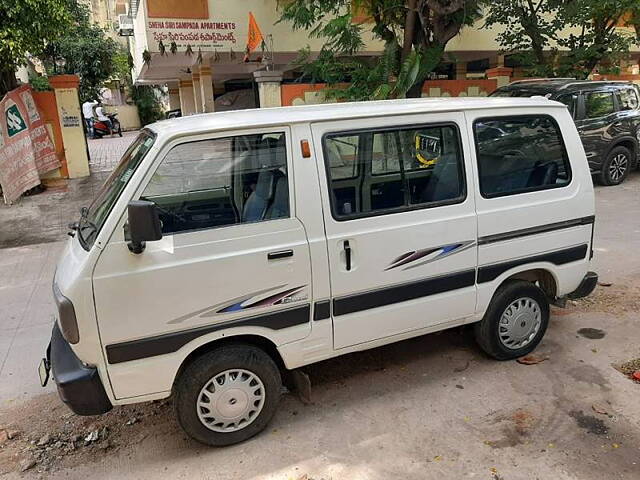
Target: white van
228	249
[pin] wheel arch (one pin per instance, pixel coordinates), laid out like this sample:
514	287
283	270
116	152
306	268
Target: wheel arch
541	273
264	343
545	279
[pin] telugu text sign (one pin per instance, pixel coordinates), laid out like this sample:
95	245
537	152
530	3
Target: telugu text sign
198	34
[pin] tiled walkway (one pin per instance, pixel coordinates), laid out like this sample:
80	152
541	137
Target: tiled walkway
45	217
106	152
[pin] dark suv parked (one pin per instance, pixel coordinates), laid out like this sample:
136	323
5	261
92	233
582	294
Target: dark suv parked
607	115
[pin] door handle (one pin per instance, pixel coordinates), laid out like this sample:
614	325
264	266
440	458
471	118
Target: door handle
280	254
347	254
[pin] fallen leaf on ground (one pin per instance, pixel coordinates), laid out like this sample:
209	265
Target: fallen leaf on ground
605	284
599	409
533	359
636	375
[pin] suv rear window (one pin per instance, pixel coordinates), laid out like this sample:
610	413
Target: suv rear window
598	104
627	99
520	154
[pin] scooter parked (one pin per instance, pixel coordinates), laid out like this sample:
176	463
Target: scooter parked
101	129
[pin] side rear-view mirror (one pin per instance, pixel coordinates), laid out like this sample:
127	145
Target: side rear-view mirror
144	224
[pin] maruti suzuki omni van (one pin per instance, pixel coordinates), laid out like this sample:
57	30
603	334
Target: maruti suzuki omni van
227	249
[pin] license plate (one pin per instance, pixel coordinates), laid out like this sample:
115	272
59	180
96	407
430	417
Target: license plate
43	371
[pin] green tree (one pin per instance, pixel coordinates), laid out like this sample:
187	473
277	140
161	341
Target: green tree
565	38
146	97
415	34
87	52
148	103
26	26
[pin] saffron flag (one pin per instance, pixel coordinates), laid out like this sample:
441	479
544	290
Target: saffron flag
255	35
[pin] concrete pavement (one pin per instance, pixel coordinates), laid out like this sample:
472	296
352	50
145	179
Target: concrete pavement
44	217
26	304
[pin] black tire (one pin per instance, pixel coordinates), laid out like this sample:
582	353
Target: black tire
196	375
488	332
616	167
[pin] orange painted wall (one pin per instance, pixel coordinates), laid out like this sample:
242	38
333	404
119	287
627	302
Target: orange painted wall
456	87
178	9
290	91
46	103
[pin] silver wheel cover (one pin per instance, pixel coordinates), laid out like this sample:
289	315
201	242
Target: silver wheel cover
230	401
520	323
618	167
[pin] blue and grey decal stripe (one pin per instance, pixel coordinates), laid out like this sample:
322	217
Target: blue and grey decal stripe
262	298
427	255
172	342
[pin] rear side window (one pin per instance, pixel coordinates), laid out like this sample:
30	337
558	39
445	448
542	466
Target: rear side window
598	104
390	170
520	154
627	99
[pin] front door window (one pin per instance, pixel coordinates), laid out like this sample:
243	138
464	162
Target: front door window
220	182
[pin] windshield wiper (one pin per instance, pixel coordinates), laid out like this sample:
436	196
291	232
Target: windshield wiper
73	226
82	224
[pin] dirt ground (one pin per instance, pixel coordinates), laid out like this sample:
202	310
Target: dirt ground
431	407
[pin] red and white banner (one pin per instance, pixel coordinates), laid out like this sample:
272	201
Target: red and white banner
26	150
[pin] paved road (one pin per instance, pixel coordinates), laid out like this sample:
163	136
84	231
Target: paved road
402	410
44	217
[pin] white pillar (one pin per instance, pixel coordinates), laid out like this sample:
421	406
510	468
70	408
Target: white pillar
269	88
174	98
206	89
187	104
197	93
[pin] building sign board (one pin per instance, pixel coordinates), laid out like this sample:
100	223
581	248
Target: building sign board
197	33
26	149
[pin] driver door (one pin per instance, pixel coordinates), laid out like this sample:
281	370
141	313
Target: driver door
232	251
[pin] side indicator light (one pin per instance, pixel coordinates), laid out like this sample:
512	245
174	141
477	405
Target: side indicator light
306	149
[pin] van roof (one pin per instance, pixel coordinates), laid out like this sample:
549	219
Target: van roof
255	118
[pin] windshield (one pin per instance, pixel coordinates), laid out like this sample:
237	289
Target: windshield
93	218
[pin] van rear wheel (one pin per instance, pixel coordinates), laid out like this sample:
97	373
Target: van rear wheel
227	395
515	321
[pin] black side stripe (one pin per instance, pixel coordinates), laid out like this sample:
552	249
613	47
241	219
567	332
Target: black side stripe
488	273
403	293
499	237
171	342
322	310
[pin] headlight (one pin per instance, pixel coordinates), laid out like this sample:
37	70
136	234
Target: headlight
67	316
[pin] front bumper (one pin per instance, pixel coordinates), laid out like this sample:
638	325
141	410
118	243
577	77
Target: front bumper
79	386
585	288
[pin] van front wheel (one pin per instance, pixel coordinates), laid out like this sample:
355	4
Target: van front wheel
515	321
227	395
